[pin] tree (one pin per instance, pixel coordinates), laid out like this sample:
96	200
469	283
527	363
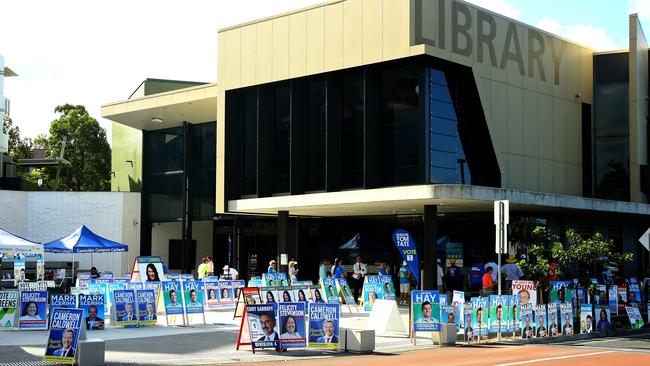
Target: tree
19	148
86	148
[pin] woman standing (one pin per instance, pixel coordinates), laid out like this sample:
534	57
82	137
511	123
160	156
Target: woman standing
337	269
271	268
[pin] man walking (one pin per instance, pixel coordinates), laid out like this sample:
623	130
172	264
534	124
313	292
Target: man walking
360	271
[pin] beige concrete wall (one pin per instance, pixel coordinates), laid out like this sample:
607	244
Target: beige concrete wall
531	83
638	107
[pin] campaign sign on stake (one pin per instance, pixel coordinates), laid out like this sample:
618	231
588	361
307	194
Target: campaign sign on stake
64	335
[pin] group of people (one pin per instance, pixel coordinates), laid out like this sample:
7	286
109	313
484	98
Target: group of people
481	279
206	268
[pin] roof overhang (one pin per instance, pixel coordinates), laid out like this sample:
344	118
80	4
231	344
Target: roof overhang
196	104
410	200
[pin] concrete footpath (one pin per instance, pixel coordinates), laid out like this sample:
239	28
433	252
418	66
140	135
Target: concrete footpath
212	343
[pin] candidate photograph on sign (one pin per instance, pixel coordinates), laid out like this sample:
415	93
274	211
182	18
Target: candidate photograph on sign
93	320
268	326
30	312
66	349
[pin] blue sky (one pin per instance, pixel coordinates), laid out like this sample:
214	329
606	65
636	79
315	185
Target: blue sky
95	52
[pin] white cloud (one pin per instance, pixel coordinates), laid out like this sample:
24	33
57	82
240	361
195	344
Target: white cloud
586	34
498	6
95	52
641	7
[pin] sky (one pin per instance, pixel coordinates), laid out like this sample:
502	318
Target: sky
96	52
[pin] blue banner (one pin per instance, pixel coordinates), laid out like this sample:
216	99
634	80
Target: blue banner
64	335
406	246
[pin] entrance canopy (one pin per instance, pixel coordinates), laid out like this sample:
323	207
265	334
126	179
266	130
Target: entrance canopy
14	244
83	240
410	200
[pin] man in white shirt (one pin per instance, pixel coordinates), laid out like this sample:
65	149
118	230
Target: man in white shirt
227	270
360	271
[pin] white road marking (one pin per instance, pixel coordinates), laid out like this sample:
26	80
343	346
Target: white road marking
555	358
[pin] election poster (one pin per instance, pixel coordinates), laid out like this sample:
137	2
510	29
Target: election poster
586	318
622	299
329	289
93	306
406	246
527	312
269	295
172	298
63	301
560	292
227	294
425	310
603	318
540	321
275	279
124	304
458	302
147	269
345	291
33	310
63	339
19	271
8	306
213	295
263	326
633	313
193	296
292	325
499	314
134	286
566	319
600	295
187	277
324	326
317	295
551	319
371	293
388	289
286	294
173	277
247	296
255	282
468	316
301	293
515	314
480	318
446	311
146	302
613	299
634	295
526	290
236	286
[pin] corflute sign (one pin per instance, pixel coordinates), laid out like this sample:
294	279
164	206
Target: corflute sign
488	38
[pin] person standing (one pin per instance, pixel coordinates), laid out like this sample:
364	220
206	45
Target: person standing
271	268
494	267
360	271
229	272
293	270
337	269
454	276
404	283
202	271
488	282
512	271
210	266
322	270
440	276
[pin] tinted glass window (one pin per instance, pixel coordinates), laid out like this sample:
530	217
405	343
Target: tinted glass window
249	145
163	174
316	135
281	128
352	131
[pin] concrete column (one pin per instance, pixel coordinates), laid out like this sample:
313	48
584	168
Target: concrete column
429	247
283	238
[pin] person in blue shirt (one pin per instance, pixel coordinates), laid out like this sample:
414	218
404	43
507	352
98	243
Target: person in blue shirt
337	269
454	276
383	269
271	268
404	283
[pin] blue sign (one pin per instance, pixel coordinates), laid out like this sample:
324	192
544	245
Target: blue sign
64	301
406	246
64	335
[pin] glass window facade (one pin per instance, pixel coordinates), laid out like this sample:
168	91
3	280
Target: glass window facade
382	125
164	169
611	127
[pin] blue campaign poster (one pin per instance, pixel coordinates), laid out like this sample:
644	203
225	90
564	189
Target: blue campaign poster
172	297
634	296
346	293
331	293
213	295
292	325
62	301
146	301
93	306
566	319
324	326
237	285
468	321
124	303
227	294
446	311
551	319
480	318
540	321
527	326
64	335
515	316
263	325
193	295
388	289
371	293
275	279
425	310
458	302
33	310
406	246
499	314
586	318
